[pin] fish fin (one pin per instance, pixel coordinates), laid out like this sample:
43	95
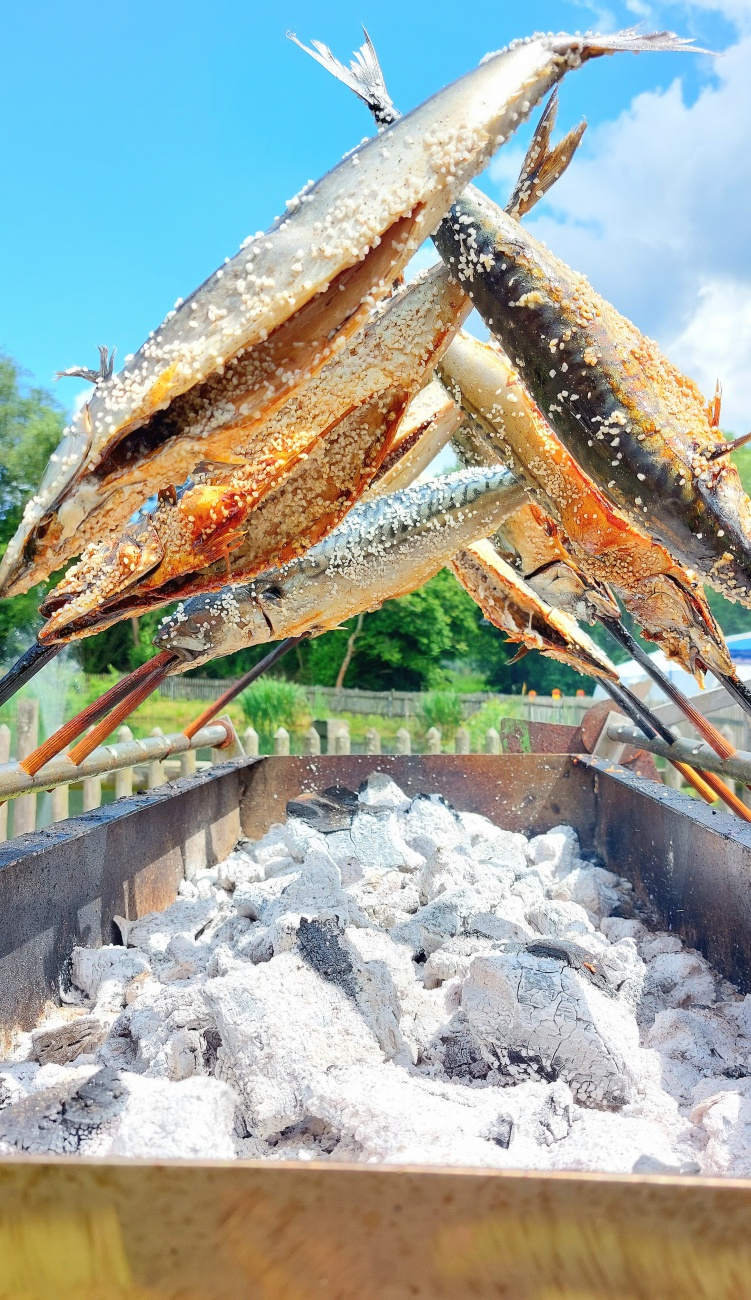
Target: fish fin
726	448
106	367
632	40
521	652
542	165
714	407
364	76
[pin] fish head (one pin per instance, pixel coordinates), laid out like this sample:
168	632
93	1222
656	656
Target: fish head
677	618
210	626
102	575
561	585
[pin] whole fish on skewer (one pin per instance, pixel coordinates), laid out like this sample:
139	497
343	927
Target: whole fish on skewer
324	449
256	330
602	544
678	614
606	547
341	426
638	428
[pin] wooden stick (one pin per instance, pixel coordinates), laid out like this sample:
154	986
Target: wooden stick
99	734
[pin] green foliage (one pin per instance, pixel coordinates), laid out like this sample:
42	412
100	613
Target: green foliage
488	716
441	709
272	702
31	425
731	616
403	645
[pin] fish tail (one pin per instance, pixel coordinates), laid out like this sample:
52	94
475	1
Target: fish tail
632	40
542	164
364	75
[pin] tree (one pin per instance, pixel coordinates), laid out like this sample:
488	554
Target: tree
31	425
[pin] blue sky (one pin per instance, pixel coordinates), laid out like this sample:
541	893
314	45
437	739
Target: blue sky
142	142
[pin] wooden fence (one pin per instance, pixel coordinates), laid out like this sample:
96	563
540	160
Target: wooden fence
326	700
114	770
61	789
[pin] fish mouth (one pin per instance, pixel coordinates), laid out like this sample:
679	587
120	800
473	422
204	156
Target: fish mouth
93	592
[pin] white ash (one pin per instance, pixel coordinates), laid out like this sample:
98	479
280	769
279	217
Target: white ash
419	987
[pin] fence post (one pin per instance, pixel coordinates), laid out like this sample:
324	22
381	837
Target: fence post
123	777
311	742
27	722
234	749
462	741
672	778
403	741
250	742
92	793
156	770
342	744
281	741
492	741
433	741
4	758
372	741
60	803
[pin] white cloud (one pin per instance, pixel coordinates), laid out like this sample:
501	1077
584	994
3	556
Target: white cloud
655	212
717	341
736	11
80	399
425	257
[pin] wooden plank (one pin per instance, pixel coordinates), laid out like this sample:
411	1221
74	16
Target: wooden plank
322	1232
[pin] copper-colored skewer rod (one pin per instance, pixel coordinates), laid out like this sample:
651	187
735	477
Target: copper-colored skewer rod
245	681
91	714
98	734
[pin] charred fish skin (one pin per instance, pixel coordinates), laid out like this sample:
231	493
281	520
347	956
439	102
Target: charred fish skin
384	548
636	426
410	175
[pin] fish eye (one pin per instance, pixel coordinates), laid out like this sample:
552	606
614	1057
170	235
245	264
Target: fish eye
271	593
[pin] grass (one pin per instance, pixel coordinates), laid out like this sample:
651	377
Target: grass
441	709
274	702
488	716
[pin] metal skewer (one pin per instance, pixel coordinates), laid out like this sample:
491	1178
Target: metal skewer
708	784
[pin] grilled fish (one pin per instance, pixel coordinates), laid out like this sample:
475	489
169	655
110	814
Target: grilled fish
318	455
607	548
510	604
384	548
255	331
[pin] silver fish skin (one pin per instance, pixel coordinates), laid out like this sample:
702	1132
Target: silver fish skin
416	167
384	548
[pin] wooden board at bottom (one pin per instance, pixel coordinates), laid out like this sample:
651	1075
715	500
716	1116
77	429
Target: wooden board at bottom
95	1230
